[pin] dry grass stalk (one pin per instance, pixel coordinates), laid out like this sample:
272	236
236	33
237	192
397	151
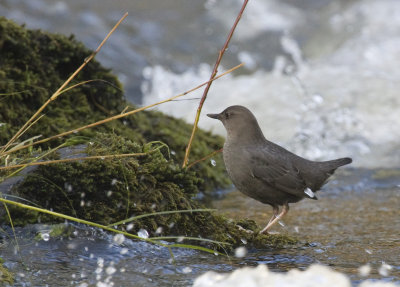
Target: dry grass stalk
213	74
76	159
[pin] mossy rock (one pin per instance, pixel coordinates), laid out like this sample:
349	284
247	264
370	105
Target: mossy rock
34	64
106	191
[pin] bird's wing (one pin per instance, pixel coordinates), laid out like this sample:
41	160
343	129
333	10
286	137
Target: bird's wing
277	172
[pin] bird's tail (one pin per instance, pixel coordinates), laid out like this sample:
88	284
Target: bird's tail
334	164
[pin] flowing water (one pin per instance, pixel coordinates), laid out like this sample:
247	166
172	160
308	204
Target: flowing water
322	77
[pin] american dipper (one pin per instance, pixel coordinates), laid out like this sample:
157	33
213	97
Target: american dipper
266	171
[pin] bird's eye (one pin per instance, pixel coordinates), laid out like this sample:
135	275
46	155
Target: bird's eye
227	115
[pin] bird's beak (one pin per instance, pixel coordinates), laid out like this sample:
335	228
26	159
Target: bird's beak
213	116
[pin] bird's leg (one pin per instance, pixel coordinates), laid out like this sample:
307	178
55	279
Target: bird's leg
285	210
275	213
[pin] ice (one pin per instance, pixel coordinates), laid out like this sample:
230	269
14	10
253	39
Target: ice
384	269
314	276
213	162
142	233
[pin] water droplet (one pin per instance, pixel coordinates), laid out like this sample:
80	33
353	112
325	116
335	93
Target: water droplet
129	226
122	270
244	241
281	223
143	233
110	270
100	261
364	270
102	158
186	270
109	193
368	251
68	187
124	251
71	245
86	248
114	181
240	252
45	236
213	162
318	99
119	239
82	203
83	195
180	239
98	270
309	192
216	253
159	230
171	224
153	206
296	228
173	152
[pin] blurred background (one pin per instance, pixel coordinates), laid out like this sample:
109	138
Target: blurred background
321	76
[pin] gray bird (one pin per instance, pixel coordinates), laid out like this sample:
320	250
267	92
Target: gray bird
266	171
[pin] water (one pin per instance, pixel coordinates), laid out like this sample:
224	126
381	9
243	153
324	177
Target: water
322	77
355	222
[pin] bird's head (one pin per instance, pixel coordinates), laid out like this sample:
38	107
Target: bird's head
239	123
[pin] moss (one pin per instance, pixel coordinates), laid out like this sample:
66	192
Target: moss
6	277
34	64
110	190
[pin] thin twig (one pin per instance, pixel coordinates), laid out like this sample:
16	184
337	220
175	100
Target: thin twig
214	72
59	91
121	115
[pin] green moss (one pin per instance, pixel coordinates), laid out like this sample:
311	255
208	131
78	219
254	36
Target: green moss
34	64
